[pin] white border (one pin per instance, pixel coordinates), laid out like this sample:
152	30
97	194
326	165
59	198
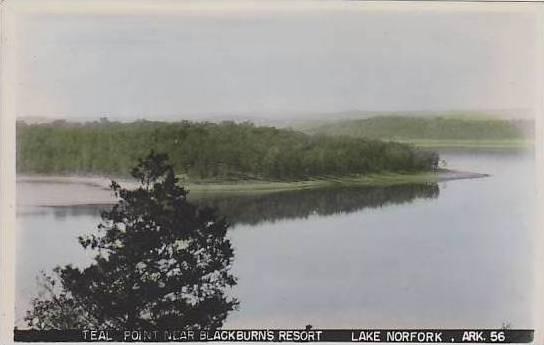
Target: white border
7	174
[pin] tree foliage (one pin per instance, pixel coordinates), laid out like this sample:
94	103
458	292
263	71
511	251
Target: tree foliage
208	150
161	262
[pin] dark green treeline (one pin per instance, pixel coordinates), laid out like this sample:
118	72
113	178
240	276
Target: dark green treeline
207	150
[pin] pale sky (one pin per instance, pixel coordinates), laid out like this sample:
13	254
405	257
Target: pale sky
277	58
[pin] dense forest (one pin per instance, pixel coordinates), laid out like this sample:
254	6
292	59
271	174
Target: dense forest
437	128
224	150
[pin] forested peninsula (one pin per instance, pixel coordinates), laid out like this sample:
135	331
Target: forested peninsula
201	151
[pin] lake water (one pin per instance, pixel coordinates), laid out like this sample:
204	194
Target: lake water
449	255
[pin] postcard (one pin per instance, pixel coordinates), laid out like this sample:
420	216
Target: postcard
309	171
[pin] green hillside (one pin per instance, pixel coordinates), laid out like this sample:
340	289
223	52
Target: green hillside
430	130
208	151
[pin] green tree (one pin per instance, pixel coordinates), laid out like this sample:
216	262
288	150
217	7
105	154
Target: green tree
161	262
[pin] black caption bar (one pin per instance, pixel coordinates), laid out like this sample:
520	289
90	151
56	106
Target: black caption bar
502	336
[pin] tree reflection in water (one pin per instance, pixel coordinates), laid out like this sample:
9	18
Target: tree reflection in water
254	209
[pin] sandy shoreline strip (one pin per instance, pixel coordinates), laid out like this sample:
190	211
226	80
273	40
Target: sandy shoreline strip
58	191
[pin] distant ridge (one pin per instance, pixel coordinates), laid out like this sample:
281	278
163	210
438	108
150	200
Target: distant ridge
453	127
290	118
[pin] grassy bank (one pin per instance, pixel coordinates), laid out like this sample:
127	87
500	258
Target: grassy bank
371	180
94	190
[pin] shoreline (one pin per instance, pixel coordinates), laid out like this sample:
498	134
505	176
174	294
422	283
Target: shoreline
469	144
58	191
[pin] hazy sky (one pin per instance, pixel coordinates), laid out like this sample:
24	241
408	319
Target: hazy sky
272	58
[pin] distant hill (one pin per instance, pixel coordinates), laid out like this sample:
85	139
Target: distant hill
430	128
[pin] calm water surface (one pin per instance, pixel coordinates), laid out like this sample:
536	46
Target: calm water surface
457	254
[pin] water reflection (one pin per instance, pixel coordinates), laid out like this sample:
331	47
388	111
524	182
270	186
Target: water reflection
258	208
254	209
61	213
